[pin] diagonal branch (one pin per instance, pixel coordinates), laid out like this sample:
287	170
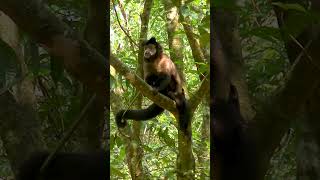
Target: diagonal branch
143	87
194	43
122	28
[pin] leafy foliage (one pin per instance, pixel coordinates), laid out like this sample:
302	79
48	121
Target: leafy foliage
267	63
159	137
57	93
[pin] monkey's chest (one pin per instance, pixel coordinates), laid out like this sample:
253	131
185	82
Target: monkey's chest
157	73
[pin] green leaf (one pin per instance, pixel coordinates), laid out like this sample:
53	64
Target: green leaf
268	33
116	172
289	6
164	135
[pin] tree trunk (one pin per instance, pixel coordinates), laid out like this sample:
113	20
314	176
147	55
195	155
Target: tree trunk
96	35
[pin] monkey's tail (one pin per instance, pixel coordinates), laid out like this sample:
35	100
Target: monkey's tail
184	116
138	115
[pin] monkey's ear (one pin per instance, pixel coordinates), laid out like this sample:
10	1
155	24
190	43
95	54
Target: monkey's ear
152	41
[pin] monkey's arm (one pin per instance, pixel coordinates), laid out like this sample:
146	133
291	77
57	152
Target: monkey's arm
162	82
151	80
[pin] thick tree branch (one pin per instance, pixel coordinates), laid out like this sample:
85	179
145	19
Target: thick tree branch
201	93
96	33
148	91
145	17
194	43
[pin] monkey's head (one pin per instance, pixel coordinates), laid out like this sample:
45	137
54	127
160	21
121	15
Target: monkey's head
152	50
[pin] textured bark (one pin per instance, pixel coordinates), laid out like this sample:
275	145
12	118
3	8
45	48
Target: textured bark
174	41
203	153
228	22
134	146
233	146
96	35
185	159
194	43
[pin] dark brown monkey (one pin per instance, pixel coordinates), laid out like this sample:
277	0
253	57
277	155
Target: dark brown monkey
160	73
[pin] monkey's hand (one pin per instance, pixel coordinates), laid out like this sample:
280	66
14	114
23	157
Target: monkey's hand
121	123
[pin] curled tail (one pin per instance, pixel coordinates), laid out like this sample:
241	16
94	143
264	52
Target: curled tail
138	115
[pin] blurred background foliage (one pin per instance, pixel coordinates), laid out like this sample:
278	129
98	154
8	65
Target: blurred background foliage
58	95
266	64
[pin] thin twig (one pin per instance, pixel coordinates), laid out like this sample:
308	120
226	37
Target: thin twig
304	51
125	32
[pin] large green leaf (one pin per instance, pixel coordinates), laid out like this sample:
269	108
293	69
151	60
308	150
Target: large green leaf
288	6
268	33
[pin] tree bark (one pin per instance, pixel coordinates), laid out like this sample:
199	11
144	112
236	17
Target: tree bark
134	146
96	35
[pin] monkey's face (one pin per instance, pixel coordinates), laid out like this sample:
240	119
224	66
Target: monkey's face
150	52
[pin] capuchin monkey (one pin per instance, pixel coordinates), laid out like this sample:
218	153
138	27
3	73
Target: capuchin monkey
66	166
160	73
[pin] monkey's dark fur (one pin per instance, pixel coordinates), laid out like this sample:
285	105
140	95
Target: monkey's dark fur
66	166
160	73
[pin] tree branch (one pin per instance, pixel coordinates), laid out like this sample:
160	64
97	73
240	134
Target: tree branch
202	92
194	44
142	86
